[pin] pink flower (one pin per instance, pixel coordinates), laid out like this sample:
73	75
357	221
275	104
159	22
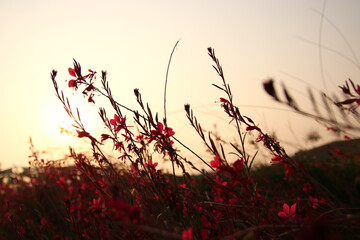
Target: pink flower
151	166
223	100
338	153
96	205
105	137
307	187
289	213
73	83
315	201
238	165
61	181
161	135
216	162
168	132
277	159
119	123
44	224
187	234
219	181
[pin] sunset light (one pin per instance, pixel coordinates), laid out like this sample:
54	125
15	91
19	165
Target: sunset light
162	119
133	41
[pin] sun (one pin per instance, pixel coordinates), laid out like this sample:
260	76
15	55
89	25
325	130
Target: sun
59	126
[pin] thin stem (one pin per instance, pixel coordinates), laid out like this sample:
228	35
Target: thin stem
166	79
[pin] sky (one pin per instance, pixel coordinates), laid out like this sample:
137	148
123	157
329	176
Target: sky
132	40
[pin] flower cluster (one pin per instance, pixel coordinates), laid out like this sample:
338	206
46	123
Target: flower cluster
97	196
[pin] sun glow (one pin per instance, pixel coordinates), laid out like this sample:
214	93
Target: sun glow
59	127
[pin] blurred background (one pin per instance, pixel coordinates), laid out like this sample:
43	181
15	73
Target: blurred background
132	40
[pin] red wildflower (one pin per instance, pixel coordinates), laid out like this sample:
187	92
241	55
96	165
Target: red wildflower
223	100
115	121
289	213
168	132
277	159
150	165
307	187
44	224
187	234
216	162
124	211
219	181
105	137
118	123
73	83
162	134
82	134
338	153
61	181
238	165
102	183
96	205
315	201
289	170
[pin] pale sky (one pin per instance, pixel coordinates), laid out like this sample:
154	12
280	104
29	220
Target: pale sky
132	40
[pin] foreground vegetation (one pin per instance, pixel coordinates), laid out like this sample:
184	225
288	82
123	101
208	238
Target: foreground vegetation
130	198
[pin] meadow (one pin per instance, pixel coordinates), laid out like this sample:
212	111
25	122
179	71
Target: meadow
312	195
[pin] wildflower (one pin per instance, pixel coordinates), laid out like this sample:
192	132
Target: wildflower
289	213
44	224
151	166
307	187
124	211
277	159
223	100
216	162
168	132
105	137
315	201
238	165
187	234
102	183
289	170
119	123
96	205
82	134
219	181
338	153
162	135
61	181
74	82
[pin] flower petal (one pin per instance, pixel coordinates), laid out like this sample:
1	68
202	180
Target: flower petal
286	208
72	72
293	209
160	127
